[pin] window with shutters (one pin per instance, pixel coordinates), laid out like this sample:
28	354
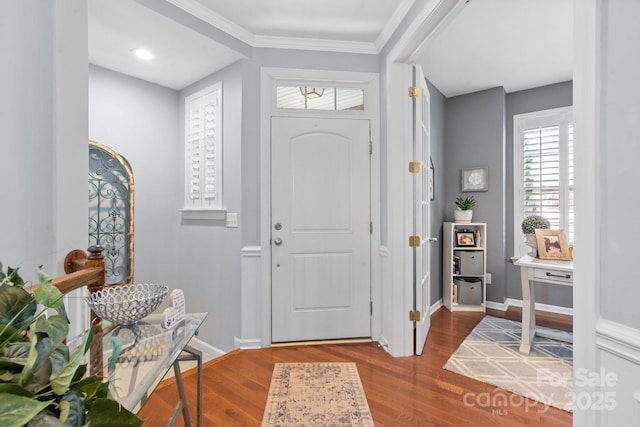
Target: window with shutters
543	171
203	154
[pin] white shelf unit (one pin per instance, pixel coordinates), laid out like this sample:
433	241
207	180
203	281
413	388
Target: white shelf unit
464	267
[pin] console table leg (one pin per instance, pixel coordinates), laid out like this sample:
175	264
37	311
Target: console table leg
528	312
183	397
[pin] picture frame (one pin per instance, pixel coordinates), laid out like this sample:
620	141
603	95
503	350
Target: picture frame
552	244
432	180
474	179
465	238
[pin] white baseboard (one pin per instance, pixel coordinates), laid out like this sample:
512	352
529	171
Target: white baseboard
209	352
436	305
518	303
247	344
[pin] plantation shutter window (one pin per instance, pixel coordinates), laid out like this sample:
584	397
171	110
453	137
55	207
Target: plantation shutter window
543	171
203	151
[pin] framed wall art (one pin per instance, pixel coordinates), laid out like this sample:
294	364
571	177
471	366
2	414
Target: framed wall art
475	179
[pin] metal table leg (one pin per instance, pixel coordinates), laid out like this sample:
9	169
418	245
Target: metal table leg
188	354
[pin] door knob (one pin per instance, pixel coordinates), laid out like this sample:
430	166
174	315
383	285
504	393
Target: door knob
277	241
432	239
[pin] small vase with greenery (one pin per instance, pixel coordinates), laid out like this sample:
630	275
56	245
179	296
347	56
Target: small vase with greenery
464	209
42	382
529	225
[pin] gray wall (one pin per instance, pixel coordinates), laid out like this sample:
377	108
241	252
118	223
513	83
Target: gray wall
526	101
139	120
475	136
209	252
619	153
42	133
437	139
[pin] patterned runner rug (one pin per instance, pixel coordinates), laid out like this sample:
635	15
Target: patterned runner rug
316	394
491	354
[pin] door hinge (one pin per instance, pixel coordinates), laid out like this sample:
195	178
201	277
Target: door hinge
370	147
414	92
371	227
414	241
414	316
414	167
371	307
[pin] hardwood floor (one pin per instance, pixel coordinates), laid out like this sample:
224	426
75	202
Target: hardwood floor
404	391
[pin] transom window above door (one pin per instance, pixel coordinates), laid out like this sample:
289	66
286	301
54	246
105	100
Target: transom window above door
320	98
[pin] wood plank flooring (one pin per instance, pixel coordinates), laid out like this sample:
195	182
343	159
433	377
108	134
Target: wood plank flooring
403	391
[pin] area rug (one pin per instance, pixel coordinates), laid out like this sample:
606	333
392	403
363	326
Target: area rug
491	354
316	394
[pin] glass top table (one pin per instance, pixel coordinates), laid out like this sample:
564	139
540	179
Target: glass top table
136	357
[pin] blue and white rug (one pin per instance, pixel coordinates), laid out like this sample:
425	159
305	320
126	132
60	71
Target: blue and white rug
491	354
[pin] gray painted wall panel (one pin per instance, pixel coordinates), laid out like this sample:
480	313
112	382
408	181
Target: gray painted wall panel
26	135
475	136
437	205
620	151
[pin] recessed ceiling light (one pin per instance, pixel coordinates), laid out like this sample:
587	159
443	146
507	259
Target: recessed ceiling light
143	54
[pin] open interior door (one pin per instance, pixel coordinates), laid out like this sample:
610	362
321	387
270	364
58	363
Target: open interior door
421	212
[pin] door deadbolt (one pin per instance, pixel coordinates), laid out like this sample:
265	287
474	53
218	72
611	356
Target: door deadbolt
277	226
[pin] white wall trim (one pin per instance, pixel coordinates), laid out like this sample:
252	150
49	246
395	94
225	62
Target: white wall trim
251	251
209	16
250	294
370	82
247	344
587	118
209	352
435	306
620	340
255	40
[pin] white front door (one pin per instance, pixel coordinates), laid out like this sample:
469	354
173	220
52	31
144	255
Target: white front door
320	229
422	209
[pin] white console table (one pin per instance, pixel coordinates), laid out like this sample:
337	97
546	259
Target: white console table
546	271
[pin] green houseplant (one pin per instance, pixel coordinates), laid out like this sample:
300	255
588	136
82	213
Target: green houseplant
529	225
43	383
464	209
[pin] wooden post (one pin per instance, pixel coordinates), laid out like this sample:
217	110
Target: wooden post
96	260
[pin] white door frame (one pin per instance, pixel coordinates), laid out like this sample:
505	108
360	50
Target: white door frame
269	78
398	330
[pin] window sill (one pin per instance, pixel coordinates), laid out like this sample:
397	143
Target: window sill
204	214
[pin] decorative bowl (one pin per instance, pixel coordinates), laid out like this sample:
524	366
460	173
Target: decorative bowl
128	303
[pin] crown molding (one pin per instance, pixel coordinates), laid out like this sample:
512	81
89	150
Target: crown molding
393	24
205	14
210	17
302	43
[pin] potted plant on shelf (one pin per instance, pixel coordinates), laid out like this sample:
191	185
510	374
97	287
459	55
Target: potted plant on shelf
464	209
42	382
529	225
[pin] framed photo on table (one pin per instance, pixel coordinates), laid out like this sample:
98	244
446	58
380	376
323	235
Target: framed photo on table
465	238
552	244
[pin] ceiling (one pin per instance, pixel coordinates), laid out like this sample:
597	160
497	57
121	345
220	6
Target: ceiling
517	44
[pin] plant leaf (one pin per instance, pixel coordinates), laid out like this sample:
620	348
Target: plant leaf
59	358
60	384
45	420
56	327
15	389
48	295
91	389
109	413
37	370
17	307
18	410
72	409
